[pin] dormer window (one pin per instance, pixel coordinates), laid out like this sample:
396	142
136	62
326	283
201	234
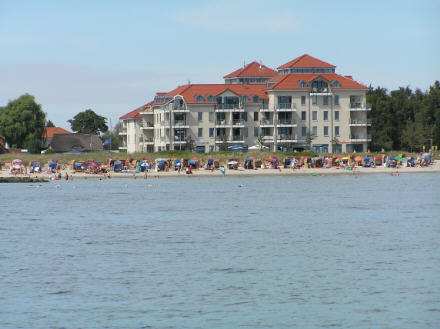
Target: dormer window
255	99
336	84
210	98
199	99
244	98
302	84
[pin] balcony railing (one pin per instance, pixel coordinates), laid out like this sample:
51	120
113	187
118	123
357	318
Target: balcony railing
266	122
267	138
180	123
223	106
238	138
360	106
285	105
320	90
238	122
179	138
286	122
148	124
283	137
360	122
360	137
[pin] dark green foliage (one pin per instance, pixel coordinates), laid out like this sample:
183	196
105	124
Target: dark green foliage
89	121
22	123
113	134
49	124
403	119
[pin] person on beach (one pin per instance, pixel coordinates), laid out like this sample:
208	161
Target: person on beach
223	171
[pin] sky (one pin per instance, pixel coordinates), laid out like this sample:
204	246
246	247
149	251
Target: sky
113	56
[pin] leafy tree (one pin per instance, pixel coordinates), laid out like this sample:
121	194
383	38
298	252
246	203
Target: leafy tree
22	123
335	142
309	140
113	134
88	120
49	124
189	144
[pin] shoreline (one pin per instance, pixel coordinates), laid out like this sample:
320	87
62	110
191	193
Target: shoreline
432	169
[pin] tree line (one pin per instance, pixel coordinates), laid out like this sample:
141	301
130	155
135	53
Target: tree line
404	119
401	120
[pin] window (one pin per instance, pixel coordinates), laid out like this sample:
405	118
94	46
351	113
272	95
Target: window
200	116
210	98
314	100
211	148
336	99
303	100
325	115
303	115
255	116
200	132
336	84
303	131
244	116
244	98
314	115
315	131
200	149
211	132
336	130
325	100
245	131
336	115
199	98
302	84
255	131
325	130
211	116
255	99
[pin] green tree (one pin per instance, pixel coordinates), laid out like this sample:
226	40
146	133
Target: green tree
22	123
113	134
309	140
49	124
88	120
189	147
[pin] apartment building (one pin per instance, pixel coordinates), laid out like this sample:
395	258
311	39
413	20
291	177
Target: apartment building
303	104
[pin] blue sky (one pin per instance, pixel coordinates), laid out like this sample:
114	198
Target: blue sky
113	56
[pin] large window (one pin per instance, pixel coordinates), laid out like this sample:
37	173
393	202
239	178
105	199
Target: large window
314	115
303	131
336	130
211	116
303	115
325	115
336	115
255	99
255	131
255	116
325	100
200	116
211	132
325	130
200	132
315	131
284	102
303	100
314	99
336	99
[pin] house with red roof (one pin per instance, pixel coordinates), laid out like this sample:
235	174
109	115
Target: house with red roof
49	132
305	104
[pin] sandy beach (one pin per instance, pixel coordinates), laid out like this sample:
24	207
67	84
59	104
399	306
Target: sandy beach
434	168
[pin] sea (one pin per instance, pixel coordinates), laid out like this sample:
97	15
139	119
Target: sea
352	251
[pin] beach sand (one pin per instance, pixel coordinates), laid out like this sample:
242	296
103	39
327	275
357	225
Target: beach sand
434	168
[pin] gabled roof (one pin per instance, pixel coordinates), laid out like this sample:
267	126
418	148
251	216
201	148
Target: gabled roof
305	61
135	113
189	92
50	131
291	81
253	69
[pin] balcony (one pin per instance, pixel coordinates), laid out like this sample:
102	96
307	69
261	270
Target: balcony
286	122
286	138
265	108
123	133
267	138
223	123
148	125
238	138
286	107
360	123
229	108
266	122
230	139
238	122
360	138
180	109
360	107
180	139
320	91
180	123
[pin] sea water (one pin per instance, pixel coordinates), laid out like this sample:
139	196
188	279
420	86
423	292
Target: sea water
234	252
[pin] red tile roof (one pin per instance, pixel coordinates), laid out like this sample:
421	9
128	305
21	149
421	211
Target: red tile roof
253	69
189	92
305	61
291	81
50	131
135	113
